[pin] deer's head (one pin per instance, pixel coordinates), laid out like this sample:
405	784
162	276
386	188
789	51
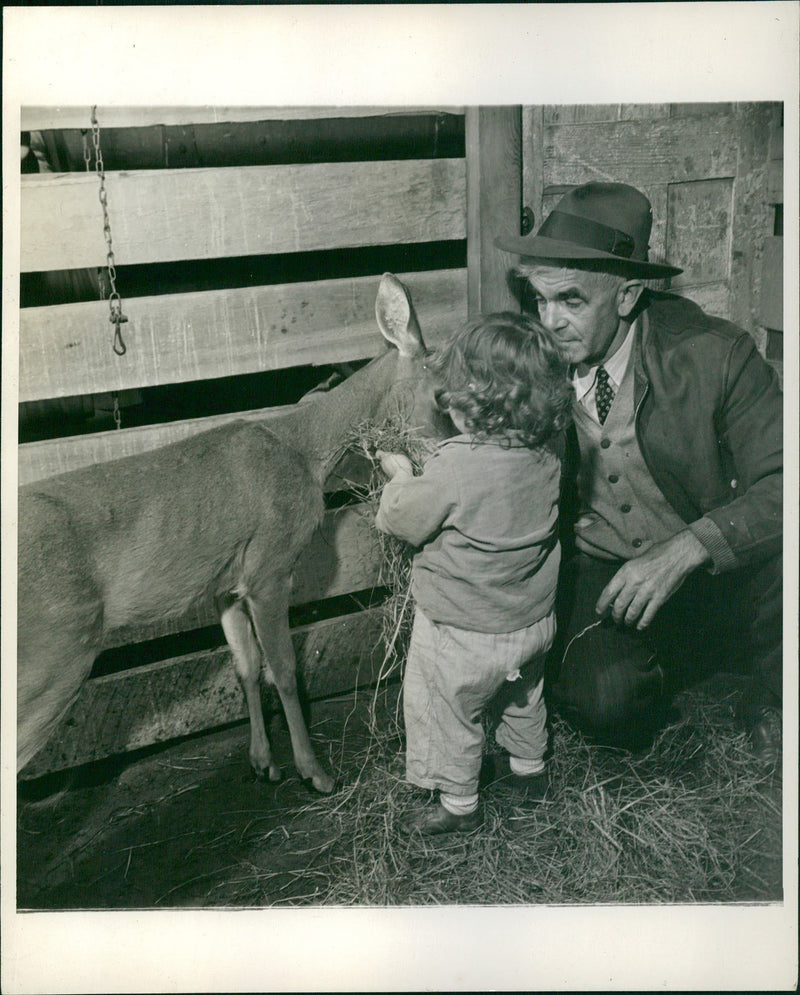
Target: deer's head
411	393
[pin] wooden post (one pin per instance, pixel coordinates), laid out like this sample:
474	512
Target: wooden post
494	203
533	163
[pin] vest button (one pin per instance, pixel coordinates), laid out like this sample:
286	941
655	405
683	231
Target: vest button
636	543
612	478
605	443
625	509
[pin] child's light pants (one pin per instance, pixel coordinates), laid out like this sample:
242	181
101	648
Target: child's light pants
451	676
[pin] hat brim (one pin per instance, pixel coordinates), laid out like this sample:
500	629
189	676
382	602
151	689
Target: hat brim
541	247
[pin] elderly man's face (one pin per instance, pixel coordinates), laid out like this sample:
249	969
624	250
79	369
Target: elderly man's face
583	310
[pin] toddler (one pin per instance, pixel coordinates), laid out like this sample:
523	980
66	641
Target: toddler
483	514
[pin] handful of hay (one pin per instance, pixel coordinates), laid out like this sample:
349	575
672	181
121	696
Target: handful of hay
393	436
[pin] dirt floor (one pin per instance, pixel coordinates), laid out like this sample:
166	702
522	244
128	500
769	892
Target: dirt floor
186	825
179	826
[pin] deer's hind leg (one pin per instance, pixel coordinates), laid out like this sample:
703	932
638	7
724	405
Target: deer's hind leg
247	661
271	623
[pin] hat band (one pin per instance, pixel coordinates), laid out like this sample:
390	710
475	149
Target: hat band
590	234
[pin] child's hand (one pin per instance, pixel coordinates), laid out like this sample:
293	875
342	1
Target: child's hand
394	463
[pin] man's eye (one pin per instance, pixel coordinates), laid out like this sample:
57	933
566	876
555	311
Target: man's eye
573	303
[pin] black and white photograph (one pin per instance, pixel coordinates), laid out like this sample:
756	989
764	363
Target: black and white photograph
394	509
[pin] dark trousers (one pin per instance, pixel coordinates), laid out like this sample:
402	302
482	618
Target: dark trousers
616	683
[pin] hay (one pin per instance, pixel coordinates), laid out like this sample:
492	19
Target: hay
696	818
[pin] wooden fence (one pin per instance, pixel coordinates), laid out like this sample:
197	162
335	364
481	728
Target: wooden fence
308	211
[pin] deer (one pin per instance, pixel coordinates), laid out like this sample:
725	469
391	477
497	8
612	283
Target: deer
219	518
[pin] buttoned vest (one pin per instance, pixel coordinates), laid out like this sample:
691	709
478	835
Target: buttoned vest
622	511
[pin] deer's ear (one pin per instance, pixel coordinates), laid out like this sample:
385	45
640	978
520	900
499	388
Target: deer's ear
397	318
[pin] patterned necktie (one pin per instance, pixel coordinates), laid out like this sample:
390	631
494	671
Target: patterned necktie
604	394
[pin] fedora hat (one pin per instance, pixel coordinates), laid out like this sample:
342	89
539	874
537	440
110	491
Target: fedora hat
595	221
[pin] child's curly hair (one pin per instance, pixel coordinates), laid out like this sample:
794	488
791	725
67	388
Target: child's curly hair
503	372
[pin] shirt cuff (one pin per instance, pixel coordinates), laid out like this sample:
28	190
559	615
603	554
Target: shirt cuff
710	534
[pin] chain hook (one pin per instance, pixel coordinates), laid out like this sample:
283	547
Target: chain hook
116	317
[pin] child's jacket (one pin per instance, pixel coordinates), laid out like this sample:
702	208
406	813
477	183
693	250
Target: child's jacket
485	516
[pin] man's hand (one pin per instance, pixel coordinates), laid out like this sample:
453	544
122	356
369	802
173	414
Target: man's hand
640	587
394	463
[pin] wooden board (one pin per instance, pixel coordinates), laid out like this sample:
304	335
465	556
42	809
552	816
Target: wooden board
46	118
596	113
494	185
37	460
774	194
344	556
167	215
668	151
771	295
66	350
187	694
532	157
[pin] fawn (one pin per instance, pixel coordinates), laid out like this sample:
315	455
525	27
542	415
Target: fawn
220	518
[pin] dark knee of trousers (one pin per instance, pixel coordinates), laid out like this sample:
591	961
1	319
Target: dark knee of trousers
616	704
608	683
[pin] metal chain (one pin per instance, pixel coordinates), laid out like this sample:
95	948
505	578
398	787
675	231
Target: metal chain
116	317
87	158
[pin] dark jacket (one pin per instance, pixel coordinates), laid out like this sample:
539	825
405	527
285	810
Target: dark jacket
709	416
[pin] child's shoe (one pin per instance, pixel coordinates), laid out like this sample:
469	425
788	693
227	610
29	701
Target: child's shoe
496	773
433	820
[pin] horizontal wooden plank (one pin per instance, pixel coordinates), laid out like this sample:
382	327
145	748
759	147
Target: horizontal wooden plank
344	556
167	215
707	109
644	153
47	118
596	113
65	350
160	701
37	460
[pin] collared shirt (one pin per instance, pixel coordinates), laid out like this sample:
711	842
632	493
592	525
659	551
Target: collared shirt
484	514
586	386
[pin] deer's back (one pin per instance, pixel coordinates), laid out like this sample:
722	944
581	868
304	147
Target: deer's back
162	530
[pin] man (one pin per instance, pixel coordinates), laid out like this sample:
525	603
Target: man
678	535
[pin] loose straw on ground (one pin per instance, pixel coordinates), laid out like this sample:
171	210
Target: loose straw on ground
696	818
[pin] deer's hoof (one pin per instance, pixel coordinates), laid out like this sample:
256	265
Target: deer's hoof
261	774
323	783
